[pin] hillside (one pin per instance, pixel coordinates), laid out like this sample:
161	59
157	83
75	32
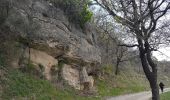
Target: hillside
53	50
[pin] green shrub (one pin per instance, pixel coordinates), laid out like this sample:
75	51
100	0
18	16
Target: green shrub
85	16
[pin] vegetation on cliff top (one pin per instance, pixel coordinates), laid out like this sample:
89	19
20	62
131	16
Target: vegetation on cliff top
76	10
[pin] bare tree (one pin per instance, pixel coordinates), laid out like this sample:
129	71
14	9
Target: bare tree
115	54
144	20
120	54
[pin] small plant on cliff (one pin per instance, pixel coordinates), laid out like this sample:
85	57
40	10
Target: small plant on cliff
76	10
85	16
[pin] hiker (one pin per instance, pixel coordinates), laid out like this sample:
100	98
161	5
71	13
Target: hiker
161	85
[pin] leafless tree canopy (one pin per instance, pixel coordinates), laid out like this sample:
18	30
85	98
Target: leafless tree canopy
144	18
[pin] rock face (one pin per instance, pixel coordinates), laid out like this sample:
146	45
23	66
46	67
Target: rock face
42	58
77	78
52	37
71	75
87	80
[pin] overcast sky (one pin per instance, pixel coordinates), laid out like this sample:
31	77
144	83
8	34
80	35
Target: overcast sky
164	55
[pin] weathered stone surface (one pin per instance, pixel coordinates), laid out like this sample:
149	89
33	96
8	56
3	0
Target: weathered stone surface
86	81
45	24
79	79
53	37
71	76
91	82
38	57
84	75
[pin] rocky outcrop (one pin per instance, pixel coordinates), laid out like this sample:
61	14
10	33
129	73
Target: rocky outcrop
40	58
52	37
71	75
78	78
53	30
87	80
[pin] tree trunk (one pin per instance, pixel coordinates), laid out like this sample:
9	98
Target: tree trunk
29	56
150	69
152	78
117	68
155	89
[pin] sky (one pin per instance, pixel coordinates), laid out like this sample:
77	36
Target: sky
164	55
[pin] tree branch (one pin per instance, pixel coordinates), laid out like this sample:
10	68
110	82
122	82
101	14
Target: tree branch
115	16
129	45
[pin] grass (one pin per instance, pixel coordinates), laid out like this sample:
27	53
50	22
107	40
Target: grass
165	96
20	86
124	83
108	89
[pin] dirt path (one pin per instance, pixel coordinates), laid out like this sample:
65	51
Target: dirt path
136	96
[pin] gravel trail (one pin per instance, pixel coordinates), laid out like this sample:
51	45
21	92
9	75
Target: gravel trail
136	96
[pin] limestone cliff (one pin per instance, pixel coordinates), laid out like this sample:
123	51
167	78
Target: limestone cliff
51	38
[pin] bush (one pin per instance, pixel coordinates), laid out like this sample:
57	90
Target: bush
76	10
85	16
